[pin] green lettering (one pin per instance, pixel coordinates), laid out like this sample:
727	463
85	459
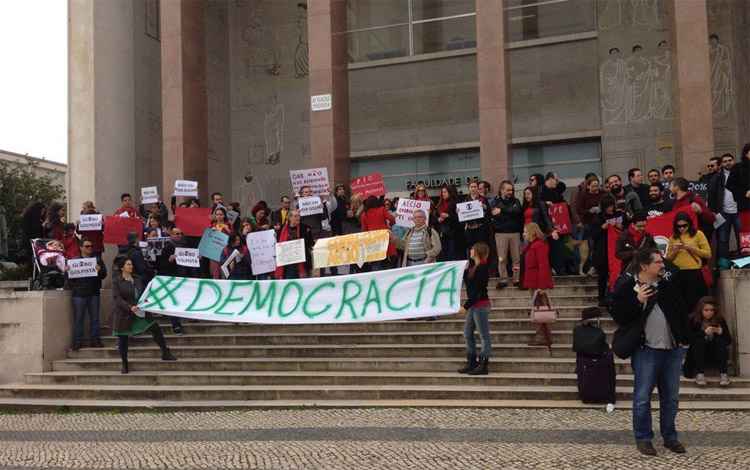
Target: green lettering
451	289
229	299
259	300
289	285
199	294
422	282
347	300
317	288
390	290
373	296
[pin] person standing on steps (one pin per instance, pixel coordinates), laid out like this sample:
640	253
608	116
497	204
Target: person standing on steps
128	319
507	219
477	309
536	274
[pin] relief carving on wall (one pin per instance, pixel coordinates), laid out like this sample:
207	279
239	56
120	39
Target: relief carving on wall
301	52
623	14
722	84
273	132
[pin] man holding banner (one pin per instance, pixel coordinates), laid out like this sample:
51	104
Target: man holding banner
421	244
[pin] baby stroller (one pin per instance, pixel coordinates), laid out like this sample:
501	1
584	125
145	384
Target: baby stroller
49	264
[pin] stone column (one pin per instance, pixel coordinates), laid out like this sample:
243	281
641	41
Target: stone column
101	104
494	92
183	95
329	129
691	82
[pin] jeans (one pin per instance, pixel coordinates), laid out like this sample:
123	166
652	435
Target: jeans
660	368
478	318
725	231
81	305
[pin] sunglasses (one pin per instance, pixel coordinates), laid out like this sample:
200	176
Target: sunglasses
88	246
682	225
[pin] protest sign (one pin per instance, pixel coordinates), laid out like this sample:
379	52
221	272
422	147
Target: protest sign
394	294
614	263
116	229
187	257
232	216
309	205
370	185
744	241
291	252
316	178
661	229
470	210
560	215
744	221
149	195
192	220
235	256
186	188
699	188
90	223
356	248
406	208
212	244
262	246
82	267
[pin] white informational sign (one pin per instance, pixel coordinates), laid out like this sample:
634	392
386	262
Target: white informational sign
82	267
187	257
309	205
321	102
316	178
291	252
470	210
232	216
262	246
149	195
90	223
235	256
405	211
186	188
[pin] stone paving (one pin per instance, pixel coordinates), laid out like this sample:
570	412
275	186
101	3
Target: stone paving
425	438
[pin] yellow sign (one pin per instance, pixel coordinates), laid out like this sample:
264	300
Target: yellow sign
357	248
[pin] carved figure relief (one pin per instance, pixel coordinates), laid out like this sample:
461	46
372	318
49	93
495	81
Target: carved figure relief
301	52
273	132
610	14
722	86
645	13
661	99
638	89
613	83
622	14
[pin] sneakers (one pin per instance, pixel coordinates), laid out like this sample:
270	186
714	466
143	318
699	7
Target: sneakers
646	448
177	330
675	446
724	380
700	380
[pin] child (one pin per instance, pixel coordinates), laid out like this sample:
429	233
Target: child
477	309
710	340
537	274
53	255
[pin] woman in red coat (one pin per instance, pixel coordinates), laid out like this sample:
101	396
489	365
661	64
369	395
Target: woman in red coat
537	274
376	217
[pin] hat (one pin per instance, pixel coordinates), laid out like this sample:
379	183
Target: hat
590	312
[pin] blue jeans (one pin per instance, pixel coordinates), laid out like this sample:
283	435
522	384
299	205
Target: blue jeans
81	305
660	368
478	318
725	231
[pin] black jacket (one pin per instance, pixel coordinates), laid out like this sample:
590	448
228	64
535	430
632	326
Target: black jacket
88	286
641	191
510	218
626	247
555	195
476	285
697	334
625	308
739	184
540	216
600	238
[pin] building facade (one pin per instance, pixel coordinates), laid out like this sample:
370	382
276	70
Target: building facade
235	93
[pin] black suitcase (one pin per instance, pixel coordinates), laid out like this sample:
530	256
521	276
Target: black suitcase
596	378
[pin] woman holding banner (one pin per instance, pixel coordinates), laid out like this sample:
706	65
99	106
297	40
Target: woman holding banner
220	224
689	249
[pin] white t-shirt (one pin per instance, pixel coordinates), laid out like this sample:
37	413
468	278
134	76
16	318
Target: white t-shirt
730	205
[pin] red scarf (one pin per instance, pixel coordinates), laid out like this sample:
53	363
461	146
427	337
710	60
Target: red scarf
284	236
444	207
635	235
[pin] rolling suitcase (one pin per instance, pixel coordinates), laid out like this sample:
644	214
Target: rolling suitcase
596	378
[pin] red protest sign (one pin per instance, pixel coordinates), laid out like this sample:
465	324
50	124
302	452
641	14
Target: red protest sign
116	229
614	263
560	215
369	185
744	240
745	221
192	220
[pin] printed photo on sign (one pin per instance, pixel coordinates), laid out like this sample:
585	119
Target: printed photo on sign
82	267
186	188
315	178
262	247
309	205
90	223
470	210
187	257
149	195
405	211
291	252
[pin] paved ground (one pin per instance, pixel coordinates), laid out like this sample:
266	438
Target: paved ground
363	439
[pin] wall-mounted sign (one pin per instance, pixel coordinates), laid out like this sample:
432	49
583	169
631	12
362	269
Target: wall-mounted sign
438	182
320	102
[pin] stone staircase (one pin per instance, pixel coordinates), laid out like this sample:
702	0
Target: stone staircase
399	363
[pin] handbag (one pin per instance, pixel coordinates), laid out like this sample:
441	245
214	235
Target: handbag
541	309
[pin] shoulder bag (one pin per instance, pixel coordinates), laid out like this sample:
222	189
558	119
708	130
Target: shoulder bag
541	309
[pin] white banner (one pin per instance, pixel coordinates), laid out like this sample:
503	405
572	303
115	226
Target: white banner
395	294
149	195
262	246
90	223
82	267
186	188
470	210
187	257
309	205
316	178
291	252
405	210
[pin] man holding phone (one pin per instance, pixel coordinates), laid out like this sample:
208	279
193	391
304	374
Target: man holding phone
648	297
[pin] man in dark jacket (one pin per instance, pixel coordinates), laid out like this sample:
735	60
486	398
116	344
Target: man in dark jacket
636	185
649	301
166	265
507	219
85	295
633	239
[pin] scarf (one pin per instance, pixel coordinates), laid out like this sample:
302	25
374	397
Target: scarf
284	236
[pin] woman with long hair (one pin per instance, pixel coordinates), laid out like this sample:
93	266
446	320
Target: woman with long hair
709	341
536	274
54	224
534	210
477	309
219	223
447	223
689	249
375	217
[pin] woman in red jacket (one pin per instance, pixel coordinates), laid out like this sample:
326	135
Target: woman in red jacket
376	217
537	274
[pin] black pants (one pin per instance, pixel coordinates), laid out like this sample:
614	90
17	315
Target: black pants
602	271
714	352
123	341
692	287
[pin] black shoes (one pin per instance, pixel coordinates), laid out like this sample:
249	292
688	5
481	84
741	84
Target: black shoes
124	369
167	356
676	447
481	369
501	285
646	448
471	364
96	343
177	330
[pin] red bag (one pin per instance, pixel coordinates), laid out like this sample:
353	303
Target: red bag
708	275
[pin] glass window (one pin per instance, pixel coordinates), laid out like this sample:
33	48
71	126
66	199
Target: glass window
428	9
569	160
370	13
377	44
534	19
445	35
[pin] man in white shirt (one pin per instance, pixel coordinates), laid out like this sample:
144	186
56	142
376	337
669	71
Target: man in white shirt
729	208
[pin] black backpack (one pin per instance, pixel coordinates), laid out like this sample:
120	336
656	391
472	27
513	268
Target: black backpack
589	339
